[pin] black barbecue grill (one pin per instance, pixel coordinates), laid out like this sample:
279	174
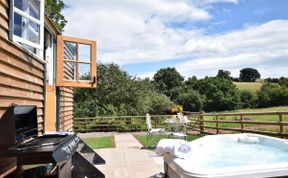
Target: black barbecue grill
59	154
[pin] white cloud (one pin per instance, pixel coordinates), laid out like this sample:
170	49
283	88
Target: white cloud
256	46
133	32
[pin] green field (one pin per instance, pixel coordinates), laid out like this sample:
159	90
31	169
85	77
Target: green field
269	118
251	86
100	142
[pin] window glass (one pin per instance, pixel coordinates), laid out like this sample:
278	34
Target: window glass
70	51
84	52
84	71
27	25
76	62
26	29
31	7
70	71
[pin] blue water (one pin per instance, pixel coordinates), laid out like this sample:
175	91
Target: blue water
241	154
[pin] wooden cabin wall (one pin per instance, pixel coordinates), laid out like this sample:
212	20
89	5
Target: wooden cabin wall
66	109
21	79
66	96
21	75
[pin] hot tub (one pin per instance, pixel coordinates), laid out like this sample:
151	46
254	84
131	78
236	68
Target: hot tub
231	155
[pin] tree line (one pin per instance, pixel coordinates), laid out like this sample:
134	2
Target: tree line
119	93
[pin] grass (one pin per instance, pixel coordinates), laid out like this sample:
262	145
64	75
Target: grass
251	86
151	143
100	142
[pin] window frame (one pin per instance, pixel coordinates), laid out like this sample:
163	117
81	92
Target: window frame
20	40
60	82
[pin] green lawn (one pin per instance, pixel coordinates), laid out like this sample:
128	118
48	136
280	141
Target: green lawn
251	86
100	142
151	143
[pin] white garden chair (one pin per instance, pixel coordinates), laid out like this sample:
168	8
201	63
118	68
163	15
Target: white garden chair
150	130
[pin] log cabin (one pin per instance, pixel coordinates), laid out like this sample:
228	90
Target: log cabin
39	66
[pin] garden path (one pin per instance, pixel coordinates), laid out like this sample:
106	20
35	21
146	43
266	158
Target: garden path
128	160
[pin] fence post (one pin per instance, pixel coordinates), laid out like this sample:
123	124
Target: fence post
281	126
155	122
201	122
242	125
217	125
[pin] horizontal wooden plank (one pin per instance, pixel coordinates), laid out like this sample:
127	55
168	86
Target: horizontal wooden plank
40	125
20	84
7	101
63	119
40	119
5	3
248	113
3	33
67	108
64	104
65	99
4	23
19	75
248	122
4	10
19	93
66	127
64	114
69	120
22	65
67	89
66	94
18	51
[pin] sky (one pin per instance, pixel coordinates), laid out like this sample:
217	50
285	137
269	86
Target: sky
197	37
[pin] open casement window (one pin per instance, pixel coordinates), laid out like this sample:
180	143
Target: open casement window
76	62
26	25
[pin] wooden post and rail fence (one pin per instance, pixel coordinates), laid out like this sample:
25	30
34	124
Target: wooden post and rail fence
268	123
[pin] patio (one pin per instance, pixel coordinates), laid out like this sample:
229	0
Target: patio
128	160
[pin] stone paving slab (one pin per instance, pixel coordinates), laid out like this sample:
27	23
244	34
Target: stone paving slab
127	160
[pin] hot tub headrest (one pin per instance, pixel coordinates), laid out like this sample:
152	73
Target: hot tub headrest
248	139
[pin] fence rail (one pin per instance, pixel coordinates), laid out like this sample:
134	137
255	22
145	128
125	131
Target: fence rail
268	123
118	123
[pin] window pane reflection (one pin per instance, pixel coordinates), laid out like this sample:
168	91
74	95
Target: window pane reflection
84	52
26	29
84	71
31	7
70	69
70	51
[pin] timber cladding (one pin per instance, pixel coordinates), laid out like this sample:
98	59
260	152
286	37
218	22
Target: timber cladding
66	108
21	80
21	75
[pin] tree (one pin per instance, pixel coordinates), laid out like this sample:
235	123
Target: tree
168	81
53	10
272	95
248	99
218	94
249	75
224	74
118	93
190	100
283	81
